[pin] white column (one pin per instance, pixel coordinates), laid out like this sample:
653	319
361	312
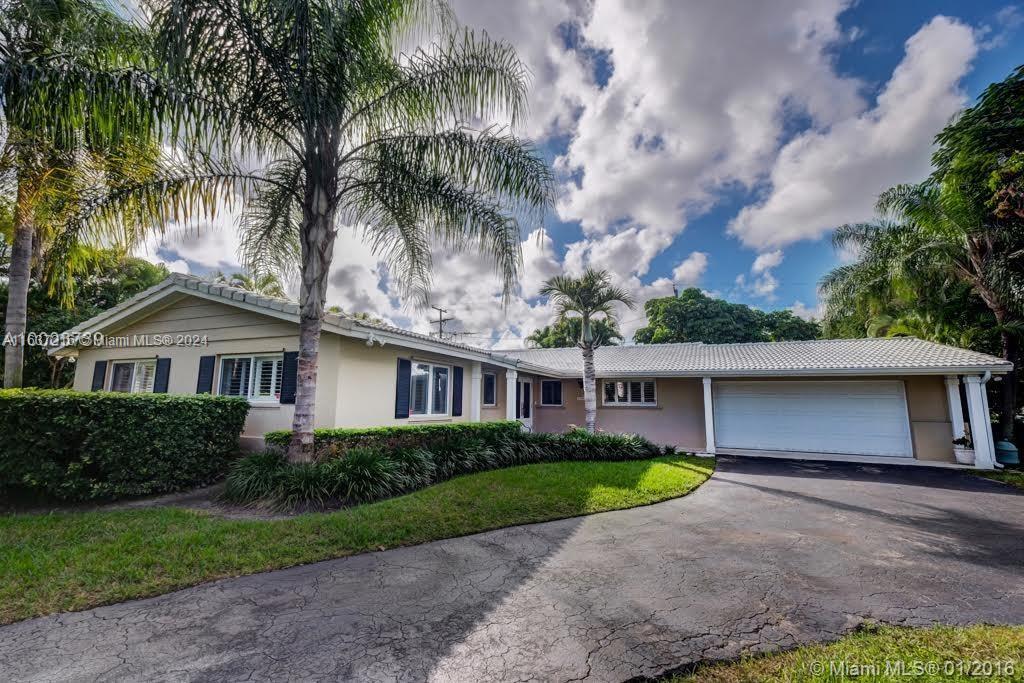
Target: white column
981	426
709	418
511	377
956	408
476	380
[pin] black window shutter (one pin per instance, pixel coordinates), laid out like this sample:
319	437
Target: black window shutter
99	373
527	400
163	375
519	401
457	391
205	383
289	376
402	388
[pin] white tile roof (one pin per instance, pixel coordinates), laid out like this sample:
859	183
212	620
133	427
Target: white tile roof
836	356
841	356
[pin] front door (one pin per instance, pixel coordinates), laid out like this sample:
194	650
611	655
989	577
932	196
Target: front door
524	403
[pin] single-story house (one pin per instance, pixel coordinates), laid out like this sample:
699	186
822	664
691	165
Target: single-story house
869	400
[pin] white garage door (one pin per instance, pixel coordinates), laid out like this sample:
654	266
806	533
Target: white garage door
855	417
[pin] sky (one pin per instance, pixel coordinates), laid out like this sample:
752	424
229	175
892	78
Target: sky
707	144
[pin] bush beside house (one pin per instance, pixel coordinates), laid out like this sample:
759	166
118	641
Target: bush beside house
362	465
80	446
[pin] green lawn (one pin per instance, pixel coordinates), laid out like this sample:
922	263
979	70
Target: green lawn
1012	477
73	561
943	653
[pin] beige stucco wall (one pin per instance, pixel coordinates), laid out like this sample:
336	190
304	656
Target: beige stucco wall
677	420
930	428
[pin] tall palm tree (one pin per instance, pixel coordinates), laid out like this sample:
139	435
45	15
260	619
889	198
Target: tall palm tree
958	239
347	133
67	115
592	294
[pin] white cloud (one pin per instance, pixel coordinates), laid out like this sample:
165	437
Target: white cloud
766	261
801	310
696	102
691	269
178	266
827	177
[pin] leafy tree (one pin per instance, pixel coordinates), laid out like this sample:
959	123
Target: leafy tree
347	133
957	236
692	316
67	100
112	279
590	295
566	333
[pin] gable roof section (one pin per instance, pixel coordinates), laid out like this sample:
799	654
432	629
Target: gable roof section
150	300
904	355
900	355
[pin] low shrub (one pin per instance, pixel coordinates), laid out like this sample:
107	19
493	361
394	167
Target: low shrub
334	442
361	474
79	446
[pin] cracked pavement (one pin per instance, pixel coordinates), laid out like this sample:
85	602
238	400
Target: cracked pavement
768	554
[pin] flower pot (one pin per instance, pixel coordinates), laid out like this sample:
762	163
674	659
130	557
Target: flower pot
964	455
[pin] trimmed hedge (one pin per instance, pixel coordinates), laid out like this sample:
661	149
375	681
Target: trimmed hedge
79	446
362	474
335	442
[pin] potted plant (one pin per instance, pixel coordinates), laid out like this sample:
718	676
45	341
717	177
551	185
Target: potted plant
963	450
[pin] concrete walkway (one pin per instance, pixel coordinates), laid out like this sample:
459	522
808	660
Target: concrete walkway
765	555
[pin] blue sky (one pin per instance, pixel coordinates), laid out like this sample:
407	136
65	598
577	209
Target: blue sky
703	144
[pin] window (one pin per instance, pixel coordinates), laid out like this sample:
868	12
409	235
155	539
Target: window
490	389
630	392
133	377
551	392
429	388
257	378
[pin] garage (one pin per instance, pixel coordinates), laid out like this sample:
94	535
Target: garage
857	417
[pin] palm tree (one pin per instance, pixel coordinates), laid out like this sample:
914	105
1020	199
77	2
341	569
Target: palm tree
267	284
591	294
67	117
347	134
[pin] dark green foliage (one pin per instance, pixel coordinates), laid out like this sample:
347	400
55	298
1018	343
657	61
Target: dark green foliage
695	317
566	333
334	442
111	278
77	446
360	474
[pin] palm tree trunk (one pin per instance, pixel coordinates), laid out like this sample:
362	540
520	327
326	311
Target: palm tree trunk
317	234
19	276
589	388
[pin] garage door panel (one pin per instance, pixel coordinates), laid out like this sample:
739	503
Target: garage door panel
855	417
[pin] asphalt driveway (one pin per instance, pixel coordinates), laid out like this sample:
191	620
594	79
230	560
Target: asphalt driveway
767	554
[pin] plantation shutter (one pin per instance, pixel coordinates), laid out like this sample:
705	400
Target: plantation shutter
402	388
457	391
289	376
99	373
205	383
163	375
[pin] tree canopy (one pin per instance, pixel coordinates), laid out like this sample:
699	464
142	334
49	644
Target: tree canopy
566	333
111	279
693	316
